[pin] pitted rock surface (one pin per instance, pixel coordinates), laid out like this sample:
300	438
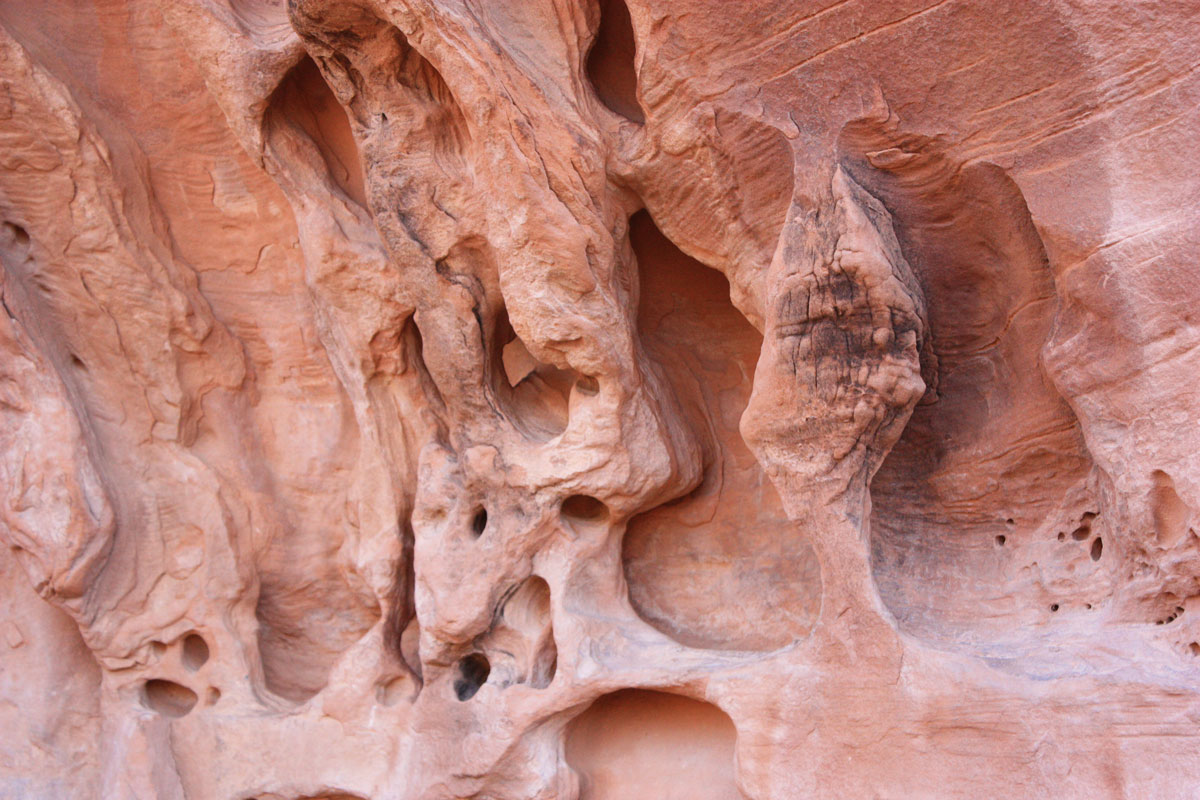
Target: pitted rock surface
599	399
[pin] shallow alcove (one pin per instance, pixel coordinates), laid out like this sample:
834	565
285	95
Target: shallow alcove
520	646
1169	512
583	509
18	235
723	567
645	744
611	63
535	396
304	106
195	652
992	428
304	627
168	698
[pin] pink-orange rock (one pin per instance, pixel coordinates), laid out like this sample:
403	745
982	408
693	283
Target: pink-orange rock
601	399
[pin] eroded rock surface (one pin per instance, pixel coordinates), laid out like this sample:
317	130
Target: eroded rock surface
439	399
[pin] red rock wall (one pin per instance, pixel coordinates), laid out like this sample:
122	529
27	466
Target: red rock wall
602	399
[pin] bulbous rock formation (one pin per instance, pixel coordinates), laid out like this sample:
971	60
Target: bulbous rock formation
601	399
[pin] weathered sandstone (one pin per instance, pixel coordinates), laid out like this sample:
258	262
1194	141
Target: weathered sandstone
602	399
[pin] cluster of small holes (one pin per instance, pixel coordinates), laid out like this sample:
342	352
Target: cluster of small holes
1080	534
1174	615
1083	532
173	699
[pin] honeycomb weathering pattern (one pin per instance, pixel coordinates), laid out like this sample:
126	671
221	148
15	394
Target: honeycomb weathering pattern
439	399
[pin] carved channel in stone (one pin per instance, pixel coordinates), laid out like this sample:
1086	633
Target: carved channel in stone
646	744
721	568
308	619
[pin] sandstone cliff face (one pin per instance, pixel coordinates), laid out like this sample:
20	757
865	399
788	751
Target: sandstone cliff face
604	399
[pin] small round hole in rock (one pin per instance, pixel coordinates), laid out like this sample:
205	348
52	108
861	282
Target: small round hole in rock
1000	540
18	234
214	694
1054	606
1062	537
195	651
1081	533
587	385
1097	549
473	672
479	522
168	698
1194	648
584	508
